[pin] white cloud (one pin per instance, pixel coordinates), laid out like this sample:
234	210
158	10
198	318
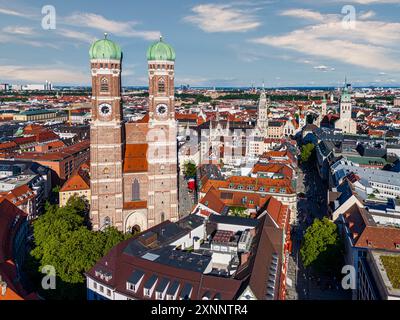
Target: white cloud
304	14
324	68
124	29
372	44
7	38
222	18
77	35
366	15
370	1
17	30
39	74
14	13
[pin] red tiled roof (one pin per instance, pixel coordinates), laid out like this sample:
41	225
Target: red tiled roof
273	168
25	140
46	136
270	243
7	273
186	116
33	128
8	214
14	290
55	144
212	200
255	184
78	181
59	155
8	145
19	195
135	205
366	233
135	159
279	212
145	119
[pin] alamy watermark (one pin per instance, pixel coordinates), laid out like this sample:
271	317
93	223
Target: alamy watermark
49	280
349	281
349	20
49	21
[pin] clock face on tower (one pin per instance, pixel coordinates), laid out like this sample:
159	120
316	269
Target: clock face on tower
105	109
162	109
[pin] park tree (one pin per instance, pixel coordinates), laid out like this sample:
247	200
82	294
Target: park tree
190	169
322	248
63	240
307	152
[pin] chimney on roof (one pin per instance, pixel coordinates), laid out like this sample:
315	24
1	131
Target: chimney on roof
3	287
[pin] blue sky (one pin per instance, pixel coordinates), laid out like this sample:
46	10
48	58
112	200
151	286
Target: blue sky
218	43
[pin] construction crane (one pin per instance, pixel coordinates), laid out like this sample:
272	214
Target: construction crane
76	106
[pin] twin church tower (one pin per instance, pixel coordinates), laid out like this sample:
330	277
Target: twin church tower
133	165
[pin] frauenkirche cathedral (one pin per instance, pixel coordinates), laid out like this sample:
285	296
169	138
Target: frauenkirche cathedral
133	164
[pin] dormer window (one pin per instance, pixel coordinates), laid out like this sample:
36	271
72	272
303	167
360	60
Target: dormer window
186	292
149	286
134	281
162	288
172	291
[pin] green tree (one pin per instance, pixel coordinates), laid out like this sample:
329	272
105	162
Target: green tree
190	169
63	241
53	228
238	211
307	152
111	237
322	247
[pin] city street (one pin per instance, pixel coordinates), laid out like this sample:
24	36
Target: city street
186	198
313	205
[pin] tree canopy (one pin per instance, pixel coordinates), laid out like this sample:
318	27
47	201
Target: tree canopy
307	152
322	247
190	169
63	241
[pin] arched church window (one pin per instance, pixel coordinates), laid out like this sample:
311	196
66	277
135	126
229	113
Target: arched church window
135	190
104	85
162	216
161	85
107	221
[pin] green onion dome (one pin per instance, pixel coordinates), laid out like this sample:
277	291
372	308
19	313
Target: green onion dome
105	49
161	51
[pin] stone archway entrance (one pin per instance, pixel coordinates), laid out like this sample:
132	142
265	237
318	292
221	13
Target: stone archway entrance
136	229
135	221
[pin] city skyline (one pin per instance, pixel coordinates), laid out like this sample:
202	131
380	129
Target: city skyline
229	43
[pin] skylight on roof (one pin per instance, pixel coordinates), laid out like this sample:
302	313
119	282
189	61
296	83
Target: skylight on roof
150	256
